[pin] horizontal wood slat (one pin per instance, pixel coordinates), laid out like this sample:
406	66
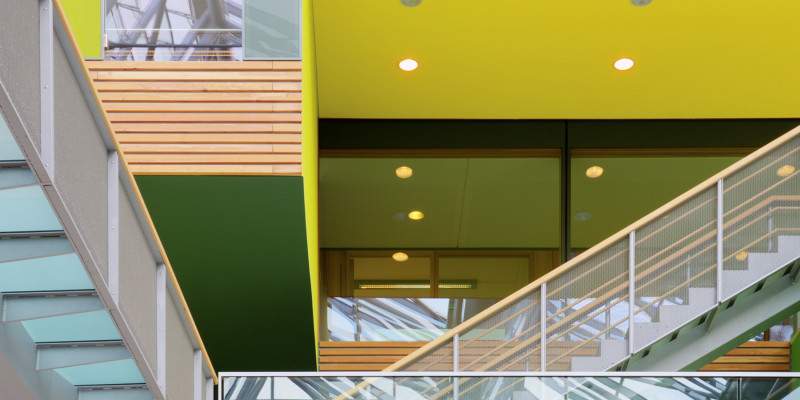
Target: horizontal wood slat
217	107
96	65
375	356
194	76
194	117
207	138
211	127
205	117
754	356
216	169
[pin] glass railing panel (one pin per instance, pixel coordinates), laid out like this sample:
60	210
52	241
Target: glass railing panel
398	319
508	387
272	29
587	304
173	30
762	217
676	275
507	340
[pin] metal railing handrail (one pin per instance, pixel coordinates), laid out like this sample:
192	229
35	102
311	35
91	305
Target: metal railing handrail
605	244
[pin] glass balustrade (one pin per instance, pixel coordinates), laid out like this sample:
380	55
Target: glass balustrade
342	386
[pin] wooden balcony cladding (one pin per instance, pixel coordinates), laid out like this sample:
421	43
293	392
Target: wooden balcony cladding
205	117
375	356
754	356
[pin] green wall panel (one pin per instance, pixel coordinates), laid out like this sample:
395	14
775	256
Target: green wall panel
238	247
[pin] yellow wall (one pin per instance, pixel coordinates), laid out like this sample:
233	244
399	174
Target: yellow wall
310	156
85	18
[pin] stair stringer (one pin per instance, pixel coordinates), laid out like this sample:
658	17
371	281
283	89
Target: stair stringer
724	327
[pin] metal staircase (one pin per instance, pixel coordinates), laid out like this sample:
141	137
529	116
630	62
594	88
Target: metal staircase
89	311
671	292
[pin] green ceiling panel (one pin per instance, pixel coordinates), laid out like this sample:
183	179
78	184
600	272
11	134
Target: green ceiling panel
238	247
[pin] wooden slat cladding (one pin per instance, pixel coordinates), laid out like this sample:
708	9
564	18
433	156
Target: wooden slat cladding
363	356
205	117
376	356
754	356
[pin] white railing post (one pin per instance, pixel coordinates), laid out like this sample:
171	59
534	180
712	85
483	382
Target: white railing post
543	328
631	287
455	365
455	352
720	238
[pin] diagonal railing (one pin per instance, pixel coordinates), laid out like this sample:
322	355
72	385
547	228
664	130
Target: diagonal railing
648	280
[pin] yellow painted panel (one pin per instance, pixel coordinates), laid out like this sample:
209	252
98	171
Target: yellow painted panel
310	160
553	59
85	18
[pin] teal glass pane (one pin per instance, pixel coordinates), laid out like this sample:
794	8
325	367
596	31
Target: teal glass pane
90	326
108	373
10	177
64	272
26	209
272	29
19	248
9	150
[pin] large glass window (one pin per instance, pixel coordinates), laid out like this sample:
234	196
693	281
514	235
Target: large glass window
611	192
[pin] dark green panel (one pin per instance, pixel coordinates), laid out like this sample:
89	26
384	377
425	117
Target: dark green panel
677	133
238	247
439	134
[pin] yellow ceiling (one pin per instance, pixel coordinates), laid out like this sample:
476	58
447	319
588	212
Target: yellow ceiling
553	59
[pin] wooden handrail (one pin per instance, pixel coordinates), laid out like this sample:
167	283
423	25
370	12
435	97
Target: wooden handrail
709	183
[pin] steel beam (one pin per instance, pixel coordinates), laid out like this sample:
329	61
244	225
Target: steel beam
699	346
33	305
69	354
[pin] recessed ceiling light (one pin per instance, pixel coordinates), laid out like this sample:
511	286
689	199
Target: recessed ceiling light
416	215
404	172
786	170
641	2
411	3
623	64
408	64
741	256
583	216
594	171
400	256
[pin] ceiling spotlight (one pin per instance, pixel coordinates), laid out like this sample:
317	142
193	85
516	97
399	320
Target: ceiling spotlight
411	3
583	216
623	64
408	64
786	170
400	256
404	172
416	215
641	2
741	256
594	171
